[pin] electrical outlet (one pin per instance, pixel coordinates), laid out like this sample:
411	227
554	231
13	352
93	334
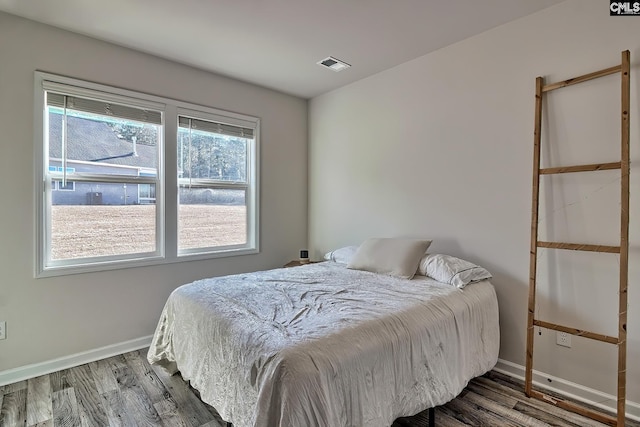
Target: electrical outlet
3	330
563	339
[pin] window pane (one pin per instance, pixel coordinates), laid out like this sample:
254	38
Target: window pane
209	155
101	144
93	220
211	217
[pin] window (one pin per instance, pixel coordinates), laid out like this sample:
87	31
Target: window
147	193
106	187
213	180
61	186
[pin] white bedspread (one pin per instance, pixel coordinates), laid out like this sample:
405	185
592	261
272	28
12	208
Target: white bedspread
322	345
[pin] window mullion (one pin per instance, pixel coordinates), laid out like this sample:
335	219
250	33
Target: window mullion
170	190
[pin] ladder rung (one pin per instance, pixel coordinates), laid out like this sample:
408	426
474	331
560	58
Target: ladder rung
581	168
570	406
580	247
580	79
577	332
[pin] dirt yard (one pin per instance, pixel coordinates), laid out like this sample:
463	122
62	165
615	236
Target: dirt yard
85	231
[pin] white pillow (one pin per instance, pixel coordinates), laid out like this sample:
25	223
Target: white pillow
397	257
341	255
451	270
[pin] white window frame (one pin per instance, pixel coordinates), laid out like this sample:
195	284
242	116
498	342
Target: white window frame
249	186
166	186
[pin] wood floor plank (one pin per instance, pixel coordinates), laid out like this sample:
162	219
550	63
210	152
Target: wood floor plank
115	409
559	412
544	416
191	408
39	400
146	377
14	408
474	415
504	400
141	408
451	413
122	372
10	388
503	412
90	406
103	376
136	401
444	420
59	380
168	411
65	408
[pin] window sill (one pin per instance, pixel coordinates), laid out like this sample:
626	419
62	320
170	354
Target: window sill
134	263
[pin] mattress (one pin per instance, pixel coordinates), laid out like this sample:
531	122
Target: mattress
323	345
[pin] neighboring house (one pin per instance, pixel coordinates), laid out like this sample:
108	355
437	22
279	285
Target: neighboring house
92	146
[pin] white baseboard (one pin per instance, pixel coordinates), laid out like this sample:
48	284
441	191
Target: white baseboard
31	371
569	389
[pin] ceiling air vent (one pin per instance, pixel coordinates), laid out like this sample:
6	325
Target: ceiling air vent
334	64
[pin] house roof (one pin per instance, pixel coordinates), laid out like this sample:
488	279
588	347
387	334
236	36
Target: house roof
94	141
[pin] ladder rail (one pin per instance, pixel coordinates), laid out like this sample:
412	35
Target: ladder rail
533	255
624	235
623	250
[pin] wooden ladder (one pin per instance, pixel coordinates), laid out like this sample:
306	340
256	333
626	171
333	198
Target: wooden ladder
621	340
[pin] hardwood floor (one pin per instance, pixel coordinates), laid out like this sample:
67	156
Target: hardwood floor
125	390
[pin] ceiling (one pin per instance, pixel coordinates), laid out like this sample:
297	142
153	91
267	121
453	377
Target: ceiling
277	43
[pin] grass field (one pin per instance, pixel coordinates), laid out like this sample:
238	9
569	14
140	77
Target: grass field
86	231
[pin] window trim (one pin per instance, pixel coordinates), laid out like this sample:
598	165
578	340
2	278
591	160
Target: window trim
167	187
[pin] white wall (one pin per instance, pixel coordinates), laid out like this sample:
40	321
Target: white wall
56	317
442	147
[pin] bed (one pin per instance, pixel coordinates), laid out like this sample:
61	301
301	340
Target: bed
325	345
